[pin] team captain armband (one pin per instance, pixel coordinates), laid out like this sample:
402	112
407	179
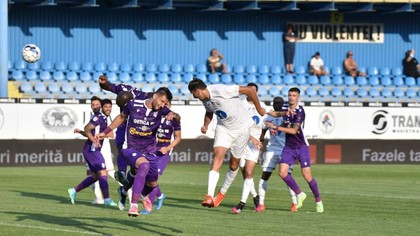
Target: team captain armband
107	130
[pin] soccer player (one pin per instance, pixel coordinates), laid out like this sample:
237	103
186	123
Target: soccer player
232	130
165	144
296	148
93	156
143	120
272	155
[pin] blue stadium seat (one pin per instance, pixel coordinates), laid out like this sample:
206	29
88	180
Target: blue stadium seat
385	71
74	66
275	79
251	78
60	65
263	79
164	68
313	80
239	79
187	77
17	75
349	81
184	90
386	81
275	70
148	88
138	67
263	69
262	91
20	65
325	80
362	69
399	93
288	79
226	79
85	76
67	88
336	92
53	88
398	81
327	69
238	69
374	93
373	71
348	92
174	90
311	92
40	87
201	68
361	81
96	75
58	76
26	87
338	80
113	67
374	81
176	78
361	92
80	88
300	70
112	77
301	79
9	65
150	77
201	76
386	92
189	68
33	66
87	66
274	91
411	93
125	67
124	77
100	66
284	92
337	70
323	92
94	88
72	76
228	68
214	78
396	71
163	77
45	75
137	77
251	69
410	81
177	68
31	75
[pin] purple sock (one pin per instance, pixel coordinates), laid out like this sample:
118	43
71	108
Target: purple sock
85	183
103	184
121	163
139	181
314	188
151	191
130	179
292	184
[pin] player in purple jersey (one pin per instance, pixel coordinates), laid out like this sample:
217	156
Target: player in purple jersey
296	148
118	89
143	120
165	144
93	156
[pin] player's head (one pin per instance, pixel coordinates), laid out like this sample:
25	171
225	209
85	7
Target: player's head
95	104
123	97
293	95
106	106
198	89
253	85
162	97
278	103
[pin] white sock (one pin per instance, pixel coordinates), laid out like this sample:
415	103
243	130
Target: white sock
253	191
230	177
262	188
246	189
213	179
129	193
293	195
111	173
98	192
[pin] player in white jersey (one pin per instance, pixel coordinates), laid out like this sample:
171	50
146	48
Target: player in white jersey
272	155
232	130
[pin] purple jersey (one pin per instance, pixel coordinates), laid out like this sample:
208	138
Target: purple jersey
142	125
100	121
165	131
295	140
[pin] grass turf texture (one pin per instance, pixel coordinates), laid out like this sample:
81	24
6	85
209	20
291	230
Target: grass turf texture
358	200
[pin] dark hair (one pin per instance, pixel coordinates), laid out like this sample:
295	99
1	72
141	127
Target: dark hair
290	26
294	89
164	91
95	98
105	101
123	97
196	83
407	53
278	102
253	84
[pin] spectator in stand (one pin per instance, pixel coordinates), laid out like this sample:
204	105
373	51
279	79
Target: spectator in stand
317	65
411	67
350	66
289	39
215	64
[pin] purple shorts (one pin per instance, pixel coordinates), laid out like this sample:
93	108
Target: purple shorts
94	159
290	155
131	156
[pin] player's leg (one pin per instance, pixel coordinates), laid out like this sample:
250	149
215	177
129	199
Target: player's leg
247	186
162	164
270	160
151	184
292	193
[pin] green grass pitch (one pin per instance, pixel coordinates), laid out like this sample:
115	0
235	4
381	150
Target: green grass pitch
358	200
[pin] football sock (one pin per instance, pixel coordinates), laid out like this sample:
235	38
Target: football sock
246	189
292	195
230	177
262	188
85	183
139	181
292	184
314	188
97	191
213	179
103	183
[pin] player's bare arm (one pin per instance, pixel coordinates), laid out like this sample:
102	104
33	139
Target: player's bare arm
291	130
88	131
173	116
79	131
115	123
176	141
207	119
253	96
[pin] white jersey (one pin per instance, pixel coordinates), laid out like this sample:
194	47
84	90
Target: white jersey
317	63
276	142
228	107
256	129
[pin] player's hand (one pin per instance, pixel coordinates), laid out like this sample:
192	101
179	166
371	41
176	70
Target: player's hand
103	79
100	136
76	131
204	129
273	131
270	125
257	143
164	150
97	143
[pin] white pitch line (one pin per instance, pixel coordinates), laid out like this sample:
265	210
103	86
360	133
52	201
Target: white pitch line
52	229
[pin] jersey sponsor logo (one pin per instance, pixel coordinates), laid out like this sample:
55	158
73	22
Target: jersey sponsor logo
256	119
221	114
59	119
326	122
380	122
133	131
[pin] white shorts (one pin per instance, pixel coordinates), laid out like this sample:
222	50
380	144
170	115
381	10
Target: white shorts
236	141
270	161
